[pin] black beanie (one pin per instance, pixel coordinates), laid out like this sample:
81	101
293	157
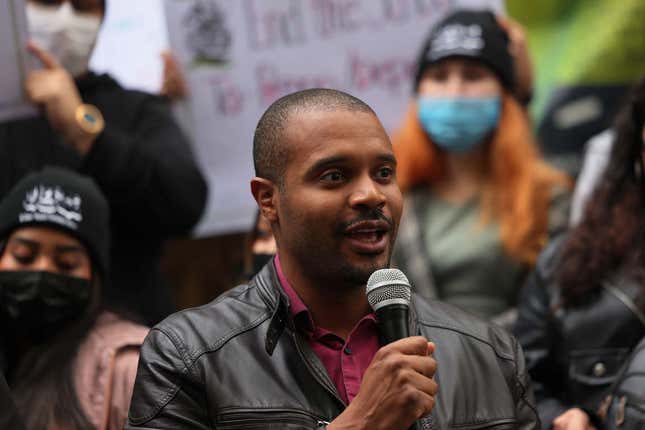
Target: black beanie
471	34
65	200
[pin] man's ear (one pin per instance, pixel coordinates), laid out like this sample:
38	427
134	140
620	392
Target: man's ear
264	193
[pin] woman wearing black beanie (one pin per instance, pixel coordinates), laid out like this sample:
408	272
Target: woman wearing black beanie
70	362
480	201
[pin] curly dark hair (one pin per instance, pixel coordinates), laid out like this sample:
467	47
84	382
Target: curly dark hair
611	236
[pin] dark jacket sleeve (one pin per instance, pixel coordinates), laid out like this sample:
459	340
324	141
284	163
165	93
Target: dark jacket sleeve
526	412
625	410
536	331
559	210
9	418
167	395
147	171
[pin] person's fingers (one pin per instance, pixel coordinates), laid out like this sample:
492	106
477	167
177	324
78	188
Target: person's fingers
422	383
426	366
166	59
415	345
560	421
572	419
33	85
514	30
173	84
509	25
169	62
43	56
431	348
423	402
503	22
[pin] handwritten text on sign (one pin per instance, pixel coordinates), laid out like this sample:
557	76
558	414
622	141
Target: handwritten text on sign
240	56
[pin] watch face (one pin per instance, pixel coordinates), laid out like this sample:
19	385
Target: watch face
90	119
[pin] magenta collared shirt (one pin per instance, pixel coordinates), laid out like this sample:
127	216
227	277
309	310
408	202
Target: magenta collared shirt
344	359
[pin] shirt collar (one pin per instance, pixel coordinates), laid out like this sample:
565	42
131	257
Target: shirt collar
297	308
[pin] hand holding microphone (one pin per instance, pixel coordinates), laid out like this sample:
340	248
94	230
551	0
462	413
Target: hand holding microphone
397	387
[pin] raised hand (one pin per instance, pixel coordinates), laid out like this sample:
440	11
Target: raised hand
519	50
54	89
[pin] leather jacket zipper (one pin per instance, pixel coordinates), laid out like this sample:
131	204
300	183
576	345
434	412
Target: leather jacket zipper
326	384
331	390
508	423
242	418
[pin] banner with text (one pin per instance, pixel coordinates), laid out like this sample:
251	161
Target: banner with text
14	61
240	56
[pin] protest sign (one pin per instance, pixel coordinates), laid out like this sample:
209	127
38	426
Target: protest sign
14	61
239	57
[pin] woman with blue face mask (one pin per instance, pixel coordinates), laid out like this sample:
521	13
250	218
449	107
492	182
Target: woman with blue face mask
70	362
480	202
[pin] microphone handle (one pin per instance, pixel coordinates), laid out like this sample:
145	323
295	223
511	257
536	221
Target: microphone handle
392	323
392	326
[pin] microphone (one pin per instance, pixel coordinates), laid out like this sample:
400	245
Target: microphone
388	293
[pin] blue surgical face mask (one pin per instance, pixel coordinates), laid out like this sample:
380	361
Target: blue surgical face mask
459	124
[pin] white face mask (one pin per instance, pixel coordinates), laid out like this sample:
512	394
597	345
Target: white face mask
67	34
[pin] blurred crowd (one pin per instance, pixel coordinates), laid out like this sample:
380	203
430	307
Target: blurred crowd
92	188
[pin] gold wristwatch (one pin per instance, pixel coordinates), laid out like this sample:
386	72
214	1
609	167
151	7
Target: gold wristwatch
90	119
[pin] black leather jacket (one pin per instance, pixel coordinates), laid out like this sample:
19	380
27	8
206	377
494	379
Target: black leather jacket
238	363
573	355
624	408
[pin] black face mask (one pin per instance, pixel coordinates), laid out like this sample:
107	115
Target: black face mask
39	304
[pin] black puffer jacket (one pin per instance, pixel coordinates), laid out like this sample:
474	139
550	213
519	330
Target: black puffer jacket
573	355
238	363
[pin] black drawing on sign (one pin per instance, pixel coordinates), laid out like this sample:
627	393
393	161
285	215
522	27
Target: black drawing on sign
208	39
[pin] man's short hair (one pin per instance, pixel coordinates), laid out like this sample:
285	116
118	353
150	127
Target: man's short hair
270	153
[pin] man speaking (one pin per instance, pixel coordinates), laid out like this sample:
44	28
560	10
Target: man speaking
299	346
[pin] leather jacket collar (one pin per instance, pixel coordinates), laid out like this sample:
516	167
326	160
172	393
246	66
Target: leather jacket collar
278	302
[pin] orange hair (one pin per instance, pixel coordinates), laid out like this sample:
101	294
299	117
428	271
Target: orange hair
519	185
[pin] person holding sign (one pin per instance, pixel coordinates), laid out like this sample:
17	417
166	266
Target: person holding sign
480	202
127	141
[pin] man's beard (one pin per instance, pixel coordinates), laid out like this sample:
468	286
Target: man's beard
359	275
337	271
331	268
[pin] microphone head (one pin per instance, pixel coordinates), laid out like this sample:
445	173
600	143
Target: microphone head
387	287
